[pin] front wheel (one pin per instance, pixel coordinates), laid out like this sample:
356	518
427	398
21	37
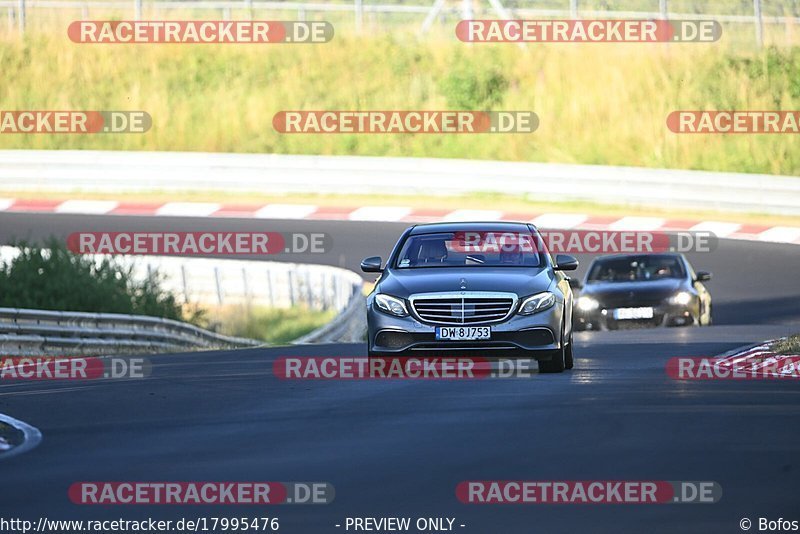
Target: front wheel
569	355
556	364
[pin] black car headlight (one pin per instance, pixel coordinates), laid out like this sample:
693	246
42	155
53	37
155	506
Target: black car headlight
391	305
537	303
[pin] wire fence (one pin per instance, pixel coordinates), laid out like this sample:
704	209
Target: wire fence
756	15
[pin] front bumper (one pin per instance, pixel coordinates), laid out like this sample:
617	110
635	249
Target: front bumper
532	336
663	315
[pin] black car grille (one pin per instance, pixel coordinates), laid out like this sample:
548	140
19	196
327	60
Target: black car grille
463	310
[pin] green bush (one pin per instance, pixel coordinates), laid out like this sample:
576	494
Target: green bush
472	87
53	278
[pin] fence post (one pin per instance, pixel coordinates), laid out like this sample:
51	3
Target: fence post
137	8
270	292
759	21
359	9
184	283
21	16
246	287
335	296
249	6
663	9
309	292
218	284
573	8
466	9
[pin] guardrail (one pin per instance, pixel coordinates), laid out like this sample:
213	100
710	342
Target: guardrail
34	332
25	332
119	172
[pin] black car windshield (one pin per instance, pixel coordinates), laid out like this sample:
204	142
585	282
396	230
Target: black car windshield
636	269
469	249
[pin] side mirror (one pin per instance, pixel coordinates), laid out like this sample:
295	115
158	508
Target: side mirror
372	264
565	262
574	283
703	276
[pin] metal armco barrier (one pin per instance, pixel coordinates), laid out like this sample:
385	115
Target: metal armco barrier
36	332
118	172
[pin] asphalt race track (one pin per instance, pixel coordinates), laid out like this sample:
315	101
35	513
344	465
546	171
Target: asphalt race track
399	448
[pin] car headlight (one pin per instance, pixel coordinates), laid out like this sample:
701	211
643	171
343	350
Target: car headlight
391	305
587	304
537	303
682	299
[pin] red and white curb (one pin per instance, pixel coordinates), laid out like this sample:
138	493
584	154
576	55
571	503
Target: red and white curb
729	230
758	357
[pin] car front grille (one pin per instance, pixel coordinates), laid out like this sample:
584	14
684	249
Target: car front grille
459	309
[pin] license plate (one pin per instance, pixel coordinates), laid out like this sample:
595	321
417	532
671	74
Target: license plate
633	313
461	333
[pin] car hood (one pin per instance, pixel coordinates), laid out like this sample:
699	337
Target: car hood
523	282
651	290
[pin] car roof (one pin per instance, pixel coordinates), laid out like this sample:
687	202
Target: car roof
639	255
489	226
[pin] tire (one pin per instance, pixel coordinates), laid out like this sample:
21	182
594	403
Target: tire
554	365
557	363
569	355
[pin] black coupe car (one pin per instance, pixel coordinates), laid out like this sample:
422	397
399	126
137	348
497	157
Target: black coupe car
642	290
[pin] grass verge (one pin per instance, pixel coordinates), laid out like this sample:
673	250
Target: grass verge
787	345
274	326
600	104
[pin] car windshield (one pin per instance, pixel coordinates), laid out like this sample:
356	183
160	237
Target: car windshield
468	249
635	269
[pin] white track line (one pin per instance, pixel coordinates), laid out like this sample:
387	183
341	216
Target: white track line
780	234
91	207
559	220
285	211
640	224
32	436
188	209
379	213
474	215
719	229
